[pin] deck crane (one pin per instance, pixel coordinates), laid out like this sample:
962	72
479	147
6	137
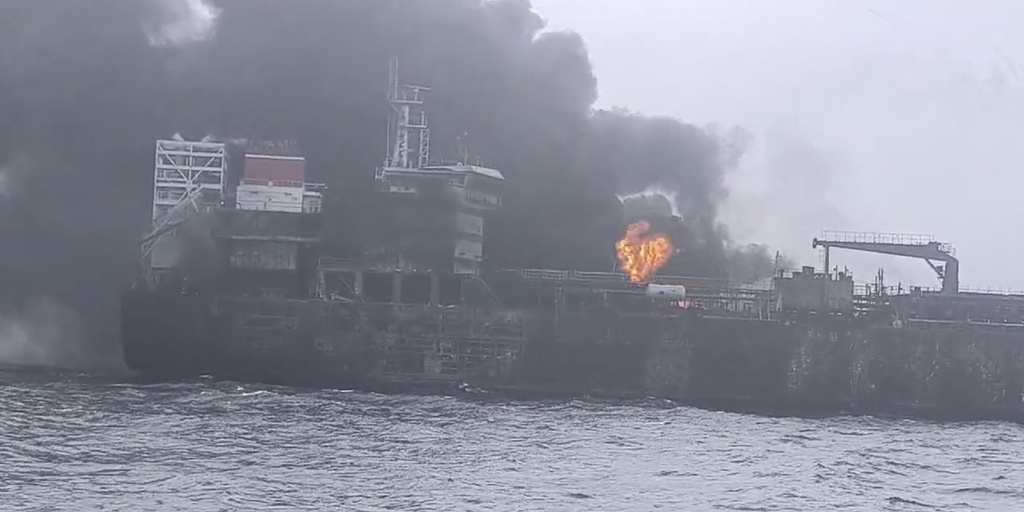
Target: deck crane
911	246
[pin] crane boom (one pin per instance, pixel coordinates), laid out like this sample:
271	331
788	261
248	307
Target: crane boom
911	246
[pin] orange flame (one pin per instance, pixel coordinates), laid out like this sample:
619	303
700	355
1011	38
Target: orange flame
642	254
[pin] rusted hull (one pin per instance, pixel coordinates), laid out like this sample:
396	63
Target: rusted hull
814	366
317	343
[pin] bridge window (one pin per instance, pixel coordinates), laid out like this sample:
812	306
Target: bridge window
629	303
545	297
340	285
340	323
378	287
449	290
578	302
416	289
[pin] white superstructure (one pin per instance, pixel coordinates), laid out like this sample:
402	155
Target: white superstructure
187	171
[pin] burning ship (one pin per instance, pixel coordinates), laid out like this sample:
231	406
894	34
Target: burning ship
235	281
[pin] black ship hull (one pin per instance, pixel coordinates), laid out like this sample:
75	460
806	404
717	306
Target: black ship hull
172	335
807	366
314	343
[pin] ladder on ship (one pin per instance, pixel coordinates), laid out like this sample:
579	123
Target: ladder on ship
175	217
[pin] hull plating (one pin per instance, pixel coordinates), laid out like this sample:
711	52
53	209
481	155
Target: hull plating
815	366
316	343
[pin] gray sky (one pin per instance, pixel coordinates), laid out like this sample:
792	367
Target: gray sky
870	115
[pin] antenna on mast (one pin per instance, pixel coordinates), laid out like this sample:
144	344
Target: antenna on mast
407	123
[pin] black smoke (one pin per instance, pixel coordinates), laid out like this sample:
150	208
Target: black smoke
87	86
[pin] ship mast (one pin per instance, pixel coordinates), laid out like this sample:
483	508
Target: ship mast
434	213
407	123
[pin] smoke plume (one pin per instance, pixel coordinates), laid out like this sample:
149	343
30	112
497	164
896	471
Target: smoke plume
5	182
182	22
86	88
44	333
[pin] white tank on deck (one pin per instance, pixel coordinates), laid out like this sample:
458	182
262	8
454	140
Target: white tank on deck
666	291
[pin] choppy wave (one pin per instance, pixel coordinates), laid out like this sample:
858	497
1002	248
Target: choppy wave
83	442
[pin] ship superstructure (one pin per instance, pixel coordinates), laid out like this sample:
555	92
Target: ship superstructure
436	211
253	232
189	178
